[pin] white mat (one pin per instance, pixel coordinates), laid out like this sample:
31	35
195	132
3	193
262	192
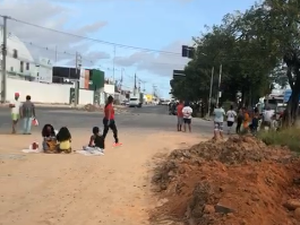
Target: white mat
89	151
31	151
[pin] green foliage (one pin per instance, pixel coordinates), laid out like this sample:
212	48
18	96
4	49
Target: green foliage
251	46
287	137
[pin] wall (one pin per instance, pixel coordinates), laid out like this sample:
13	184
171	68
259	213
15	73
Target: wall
86	97
45	93
109	89
44	70
39	92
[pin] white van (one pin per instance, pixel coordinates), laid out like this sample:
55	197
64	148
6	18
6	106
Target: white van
134	102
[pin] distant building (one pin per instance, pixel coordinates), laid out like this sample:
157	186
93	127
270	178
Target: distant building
21	64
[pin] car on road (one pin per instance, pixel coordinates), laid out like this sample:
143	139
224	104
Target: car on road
135	102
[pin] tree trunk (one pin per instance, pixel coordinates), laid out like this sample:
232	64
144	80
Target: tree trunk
291	113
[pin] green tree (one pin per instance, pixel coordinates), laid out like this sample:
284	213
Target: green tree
275	24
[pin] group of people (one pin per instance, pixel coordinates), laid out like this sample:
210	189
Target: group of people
245	121
58	142
25	112
184	116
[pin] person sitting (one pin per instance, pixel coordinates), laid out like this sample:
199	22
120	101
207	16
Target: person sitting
64	139
96	140
49	139
96	143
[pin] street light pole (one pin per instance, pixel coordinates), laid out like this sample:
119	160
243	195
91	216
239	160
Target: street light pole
210	90
4	52
219	85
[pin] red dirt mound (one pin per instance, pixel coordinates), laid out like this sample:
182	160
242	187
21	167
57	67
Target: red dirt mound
237	182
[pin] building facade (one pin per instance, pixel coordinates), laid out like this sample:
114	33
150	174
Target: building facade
20	63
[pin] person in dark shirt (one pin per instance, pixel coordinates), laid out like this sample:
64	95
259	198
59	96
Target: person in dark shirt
254	125
27	114
96	140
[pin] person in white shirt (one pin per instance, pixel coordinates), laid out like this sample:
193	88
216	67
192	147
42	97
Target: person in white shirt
15	111
219	114
231	115
187	116
268	117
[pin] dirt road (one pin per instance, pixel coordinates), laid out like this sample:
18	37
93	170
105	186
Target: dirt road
74	189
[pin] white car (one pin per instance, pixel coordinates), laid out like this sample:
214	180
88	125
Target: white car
134	102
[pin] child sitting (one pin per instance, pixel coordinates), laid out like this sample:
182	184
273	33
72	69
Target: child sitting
96	143
96	140
64	139
49	139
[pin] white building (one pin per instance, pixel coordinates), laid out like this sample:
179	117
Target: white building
21	64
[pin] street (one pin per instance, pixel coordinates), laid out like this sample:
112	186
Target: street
148	117
112	189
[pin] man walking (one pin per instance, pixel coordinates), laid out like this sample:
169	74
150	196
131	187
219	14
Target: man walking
179	115
27	114
15	111
219	114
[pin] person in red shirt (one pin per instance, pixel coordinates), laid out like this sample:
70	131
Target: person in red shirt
109	120
179	115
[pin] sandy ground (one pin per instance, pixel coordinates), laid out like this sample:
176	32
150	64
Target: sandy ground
74	189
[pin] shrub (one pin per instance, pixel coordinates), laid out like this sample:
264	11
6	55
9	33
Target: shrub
287	137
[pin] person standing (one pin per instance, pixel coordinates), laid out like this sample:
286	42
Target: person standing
219	114
15	111
231	115
109	120
179	115
187	116
246	120
240	118
27	114
268	118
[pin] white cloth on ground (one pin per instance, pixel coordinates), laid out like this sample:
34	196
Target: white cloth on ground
31	151
91	151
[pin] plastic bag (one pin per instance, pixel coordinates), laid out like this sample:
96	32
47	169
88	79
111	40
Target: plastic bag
35	122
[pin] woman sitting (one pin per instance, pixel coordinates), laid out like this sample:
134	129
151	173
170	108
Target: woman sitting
49	139
64	139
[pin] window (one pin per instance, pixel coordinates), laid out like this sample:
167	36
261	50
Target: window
15	53
11	69
21	66
27	66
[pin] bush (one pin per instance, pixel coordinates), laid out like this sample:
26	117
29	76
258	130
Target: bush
287	137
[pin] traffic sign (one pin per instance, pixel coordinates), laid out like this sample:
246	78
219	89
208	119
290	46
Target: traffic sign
178	73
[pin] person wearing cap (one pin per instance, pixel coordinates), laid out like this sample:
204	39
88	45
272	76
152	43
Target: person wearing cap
15	111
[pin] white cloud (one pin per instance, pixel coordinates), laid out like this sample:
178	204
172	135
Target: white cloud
161	64
49	14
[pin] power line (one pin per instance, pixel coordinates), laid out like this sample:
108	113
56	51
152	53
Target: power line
84	58
93	39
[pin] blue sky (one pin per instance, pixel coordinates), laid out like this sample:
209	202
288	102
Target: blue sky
153	24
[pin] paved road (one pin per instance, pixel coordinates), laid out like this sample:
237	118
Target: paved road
149	117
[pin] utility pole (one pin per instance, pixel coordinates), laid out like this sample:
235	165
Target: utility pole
121	80
210	90
4	52
139	88
114	57
219	86
78	64
56	55
135	86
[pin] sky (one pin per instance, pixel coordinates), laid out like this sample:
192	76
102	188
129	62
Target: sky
142	37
